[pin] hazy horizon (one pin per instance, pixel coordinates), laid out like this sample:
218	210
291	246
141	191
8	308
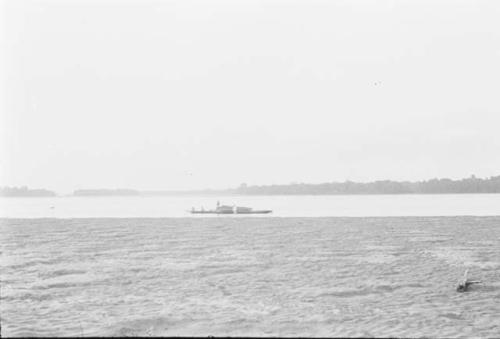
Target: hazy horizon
208	189
188	95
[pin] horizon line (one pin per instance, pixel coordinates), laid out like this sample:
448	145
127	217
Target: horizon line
241	185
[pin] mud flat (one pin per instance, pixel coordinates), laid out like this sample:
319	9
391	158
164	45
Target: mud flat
393	276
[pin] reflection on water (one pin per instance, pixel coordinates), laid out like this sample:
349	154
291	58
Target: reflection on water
250	276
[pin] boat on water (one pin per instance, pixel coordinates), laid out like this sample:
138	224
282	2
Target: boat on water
226	209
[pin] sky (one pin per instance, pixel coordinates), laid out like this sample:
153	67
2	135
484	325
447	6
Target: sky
182	94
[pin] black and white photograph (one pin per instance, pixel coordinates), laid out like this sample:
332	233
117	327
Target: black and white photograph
250	168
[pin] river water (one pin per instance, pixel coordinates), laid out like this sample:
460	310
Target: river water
282	206
371	266
386	276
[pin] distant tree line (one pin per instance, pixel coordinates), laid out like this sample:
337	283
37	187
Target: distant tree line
106	192
24	191
433	186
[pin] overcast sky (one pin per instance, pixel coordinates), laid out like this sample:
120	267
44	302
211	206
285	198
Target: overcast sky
209	94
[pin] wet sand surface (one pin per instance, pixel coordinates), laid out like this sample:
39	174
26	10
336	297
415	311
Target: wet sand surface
228	276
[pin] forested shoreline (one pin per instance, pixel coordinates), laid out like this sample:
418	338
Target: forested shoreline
432	186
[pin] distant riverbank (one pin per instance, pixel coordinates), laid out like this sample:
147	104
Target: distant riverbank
25	192
432	186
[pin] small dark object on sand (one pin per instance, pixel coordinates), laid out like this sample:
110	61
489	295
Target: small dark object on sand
464	285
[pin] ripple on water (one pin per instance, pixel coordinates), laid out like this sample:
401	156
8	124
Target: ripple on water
61	272
322	276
